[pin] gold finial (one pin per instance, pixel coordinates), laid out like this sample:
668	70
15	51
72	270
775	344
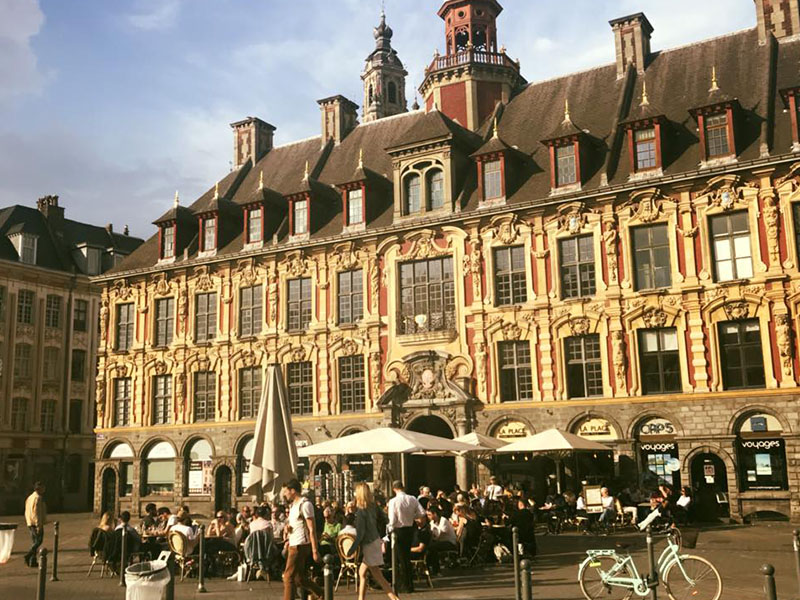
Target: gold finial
645	100
305	173
177	201
494	132
216	191
360	158
261	180
714	84
566	109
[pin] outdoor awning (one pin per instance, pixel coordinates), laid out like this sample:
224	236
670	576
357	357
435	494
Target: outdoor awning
386	440
552	440
481	442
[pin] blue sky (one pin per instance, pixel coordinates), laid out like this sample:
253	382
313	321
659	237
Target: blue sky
115	104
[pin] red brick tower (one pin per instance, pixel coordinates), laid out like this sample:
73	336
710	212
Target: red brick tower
473	75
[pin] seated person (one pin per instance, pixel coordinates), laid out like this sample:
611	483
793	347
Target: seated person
349	525
150	517
184	526
106	522
683	505
261	516
443	537
134	539
329	532
278	524
421	540
609	507
162	519
220	534
523	520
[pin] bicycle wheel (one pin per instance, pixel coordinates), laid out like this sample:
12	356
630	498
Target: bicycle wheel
703	583
592	584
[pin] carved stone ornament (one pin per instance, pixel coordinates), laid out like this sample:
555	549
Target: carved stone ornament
161	285
272	278
120	370
203	363
511	331
579	325
374	285
123	290
100	399
472	266
725	197
618	359
424	246
160	367
349	347
770	214
428	381
246	273
297	264
249	358
737	310
610	238
346	257
572	218
375	368
298	354
783	333
649	208
203	280
505	229
654	317
481	357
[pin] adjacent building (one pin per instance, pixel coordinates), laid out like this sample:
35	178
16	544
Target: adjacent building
48	351
612	252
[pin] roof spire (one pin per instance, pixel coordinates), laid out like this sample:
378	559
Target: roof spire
566	110
261	180
494	130
714	84
177	200
361	158
645	100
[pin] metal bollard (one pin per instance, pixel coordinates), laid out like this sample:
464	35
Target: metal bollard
42	574
796	544
201	558
525	580
327	572
651	557
123	557
54	574
770	591
394	562
515	555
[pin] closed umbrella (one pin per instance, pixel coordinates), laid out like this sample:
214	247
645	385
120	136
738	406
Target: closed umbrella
274	459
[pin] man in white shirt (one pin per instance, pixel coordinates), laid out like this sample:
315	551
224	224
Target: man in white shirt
609	506
302	531
443	537
494	491
403	510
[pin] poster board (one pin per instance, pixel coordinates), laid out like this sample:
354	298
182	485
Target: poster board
594	500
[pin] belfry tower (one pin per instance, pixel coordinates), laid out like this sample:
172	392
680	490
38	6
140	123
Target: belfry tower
473	76
384	77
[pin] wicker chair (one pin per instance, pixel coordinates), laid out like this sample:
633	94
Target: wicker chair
181	548
419	567
349	556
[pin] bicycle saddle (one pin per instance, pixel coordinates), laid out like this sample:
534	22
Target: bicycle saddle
622	546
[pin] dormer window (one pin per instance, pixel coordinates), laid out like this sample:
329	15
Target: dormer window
27	252
566	165
435	190
492	180
255	225
168	241
93	261
300	217
717	142
209	225
355	206
413	198
645	149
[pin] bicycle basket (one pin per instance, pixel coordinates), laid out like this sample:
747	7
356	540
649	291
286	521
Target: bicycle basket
689	538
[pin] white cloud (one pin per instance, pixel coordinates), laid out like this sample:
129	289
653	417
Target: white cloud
155	15
19	70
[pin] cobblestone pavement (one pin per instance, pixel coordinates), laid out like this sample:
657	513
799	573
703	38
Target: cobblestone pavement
738	552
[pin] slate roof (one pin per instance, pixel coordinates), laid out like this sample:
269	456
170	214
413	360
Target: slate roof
600	103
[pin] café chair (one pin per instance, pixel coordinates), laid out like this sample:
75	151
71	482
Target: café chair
180	547
349	557
99	545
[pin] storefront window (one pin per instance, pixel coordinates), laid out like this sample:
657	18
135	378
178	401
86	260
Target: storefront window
159	470
243	470
199	476
658	453
124	453
762	454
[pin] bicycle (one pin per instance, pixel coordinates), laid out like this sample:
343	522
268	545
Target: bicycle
607	575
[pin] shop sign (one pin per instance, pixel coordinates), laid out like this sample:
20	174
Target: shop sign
760	444
512	430
596	429
662	448
657	426
760	423
200	477
709	472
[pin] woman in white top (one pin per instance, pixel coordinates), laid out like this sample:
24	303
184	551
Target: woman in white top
609	507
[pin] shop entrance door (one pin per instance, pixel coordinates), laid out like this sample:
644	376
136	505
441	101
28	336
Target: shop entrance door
710	487
222	489
108	494
437	472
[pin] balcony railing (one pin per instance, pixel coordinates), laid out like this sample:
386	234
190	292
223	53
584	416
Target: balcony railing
467	57
426	322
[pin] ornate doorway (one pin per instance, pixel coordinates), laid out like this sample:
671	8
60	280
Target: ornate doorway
710	486
437	472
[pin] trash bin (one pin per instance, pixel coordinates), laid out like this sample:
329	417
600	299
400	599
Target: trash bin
147	580
6	541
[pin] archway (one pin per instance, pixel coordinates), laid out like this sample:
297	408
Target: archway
437	472
108	494
222	488
710	486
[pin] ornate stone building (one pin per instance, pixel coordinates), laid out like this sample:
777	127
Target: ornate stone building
48	351
612	252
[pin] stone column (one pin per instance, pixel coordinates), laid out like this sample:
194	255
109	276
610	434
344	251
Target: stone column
462	466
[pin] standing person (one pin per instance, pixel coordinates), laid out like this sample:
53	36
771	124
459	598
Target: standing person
368	539
302	532
403	510
494	490
35	518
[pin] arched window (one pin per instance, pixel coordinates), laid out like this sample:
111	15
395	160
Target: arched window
761	451
159	470
392	92
435	189
413	194
243	458
199	475
371	95
124	453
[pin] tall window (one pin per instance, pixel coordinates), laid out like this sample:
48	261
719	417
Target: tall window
23	361
249	392
168	241
413	194
209	233
80	316
577	267
731	245
122	402
509	277
25	299
52	311
28	253
301	388
254	225
392	92
492	180
205	396
566	166
165	321
351	384
300	217
717	143
584	371
250	311
651	257
516	377
658	359
205	317
298	309
75	415
162	399
435	189
351	296
48	416
741	354
19	414
78	368
92	261
355	206
125	321
645	143
3	301
427	296
795	212
50	364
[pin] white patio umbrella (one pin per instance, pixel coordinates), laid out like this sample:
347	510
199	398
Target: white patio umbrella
274	460
555	444
481	442
386	440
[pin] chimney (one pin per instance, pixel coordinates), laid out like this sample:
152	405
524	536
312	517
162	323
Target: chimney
339	117
632	42
252	139
779	17
126	231
110	228
48	206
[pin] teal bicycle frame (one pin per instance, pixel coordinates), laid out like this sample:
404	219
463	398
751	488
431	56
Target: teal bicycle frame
638	583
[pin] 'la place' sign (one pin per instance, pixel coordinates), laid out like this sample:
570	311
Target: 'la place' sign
596	428
512	430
